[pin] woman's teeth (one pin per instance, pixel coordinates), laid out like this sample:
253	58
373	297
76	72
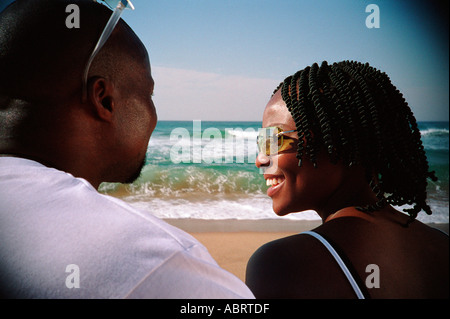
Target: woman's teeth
274	181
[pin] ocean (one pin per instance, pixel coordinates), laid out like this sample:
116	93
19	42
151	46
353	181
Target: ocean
206	170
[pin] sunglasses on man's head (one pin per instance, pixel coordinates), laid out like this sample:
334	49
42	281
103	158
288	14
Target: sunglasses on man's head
271	140
118	6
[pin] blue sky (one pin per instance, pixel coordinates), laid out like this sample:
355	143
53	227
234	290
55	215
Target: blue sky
221	60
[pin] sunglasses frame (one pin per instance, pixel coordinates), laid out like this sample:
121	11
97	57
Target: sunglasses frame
283	143
109	27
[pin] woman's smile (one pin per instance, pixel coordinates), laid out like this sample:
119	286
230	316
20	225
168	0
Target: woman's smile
275	182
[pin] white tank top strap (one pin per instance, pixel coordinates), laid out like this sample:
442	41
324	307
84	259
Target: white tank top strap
340	262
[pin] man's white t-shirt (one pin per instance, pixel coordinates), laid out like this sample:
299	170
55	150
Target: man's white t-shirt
60	238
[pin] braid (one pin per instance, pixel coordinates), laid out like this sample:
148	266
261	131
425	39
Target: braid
305	121
354	113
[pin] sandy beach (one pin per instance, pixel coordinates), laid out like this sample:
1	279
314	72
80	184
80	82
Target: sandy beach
232	242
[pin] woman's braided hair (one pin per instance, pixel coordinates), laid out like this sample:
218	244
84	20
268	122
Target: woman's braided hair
354	113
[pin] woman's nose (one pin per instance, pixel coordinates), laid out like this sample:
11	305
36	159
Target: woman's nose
262	160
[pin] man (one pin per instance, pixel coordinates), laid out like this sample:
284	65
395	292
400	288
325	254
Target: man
62	135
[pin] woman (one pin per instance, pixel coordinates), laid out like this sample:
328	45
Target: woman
341	140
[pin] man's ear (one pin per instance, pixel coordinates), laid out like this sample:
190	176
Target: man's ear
101	96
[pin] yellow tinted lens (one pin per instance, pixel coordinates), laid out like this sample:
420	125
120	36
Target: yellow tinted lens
261	140
264	145
268	141
286	144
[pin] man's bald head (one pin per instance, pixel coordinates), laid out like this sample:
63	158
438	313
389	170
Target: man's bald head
42	114
39	50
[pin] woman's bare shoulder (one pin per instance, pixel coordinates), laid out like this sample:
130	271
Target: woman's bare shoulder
297	266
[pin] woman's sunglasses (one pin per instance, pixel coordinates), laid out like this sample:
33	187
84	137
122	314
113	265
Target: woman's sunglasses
271	140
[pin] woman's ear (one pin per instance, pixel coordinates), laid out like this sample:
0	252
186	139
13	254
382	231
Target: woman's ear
101	95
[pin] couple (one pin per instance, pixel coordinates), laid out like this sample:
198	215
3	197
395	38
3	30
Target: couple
347	146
